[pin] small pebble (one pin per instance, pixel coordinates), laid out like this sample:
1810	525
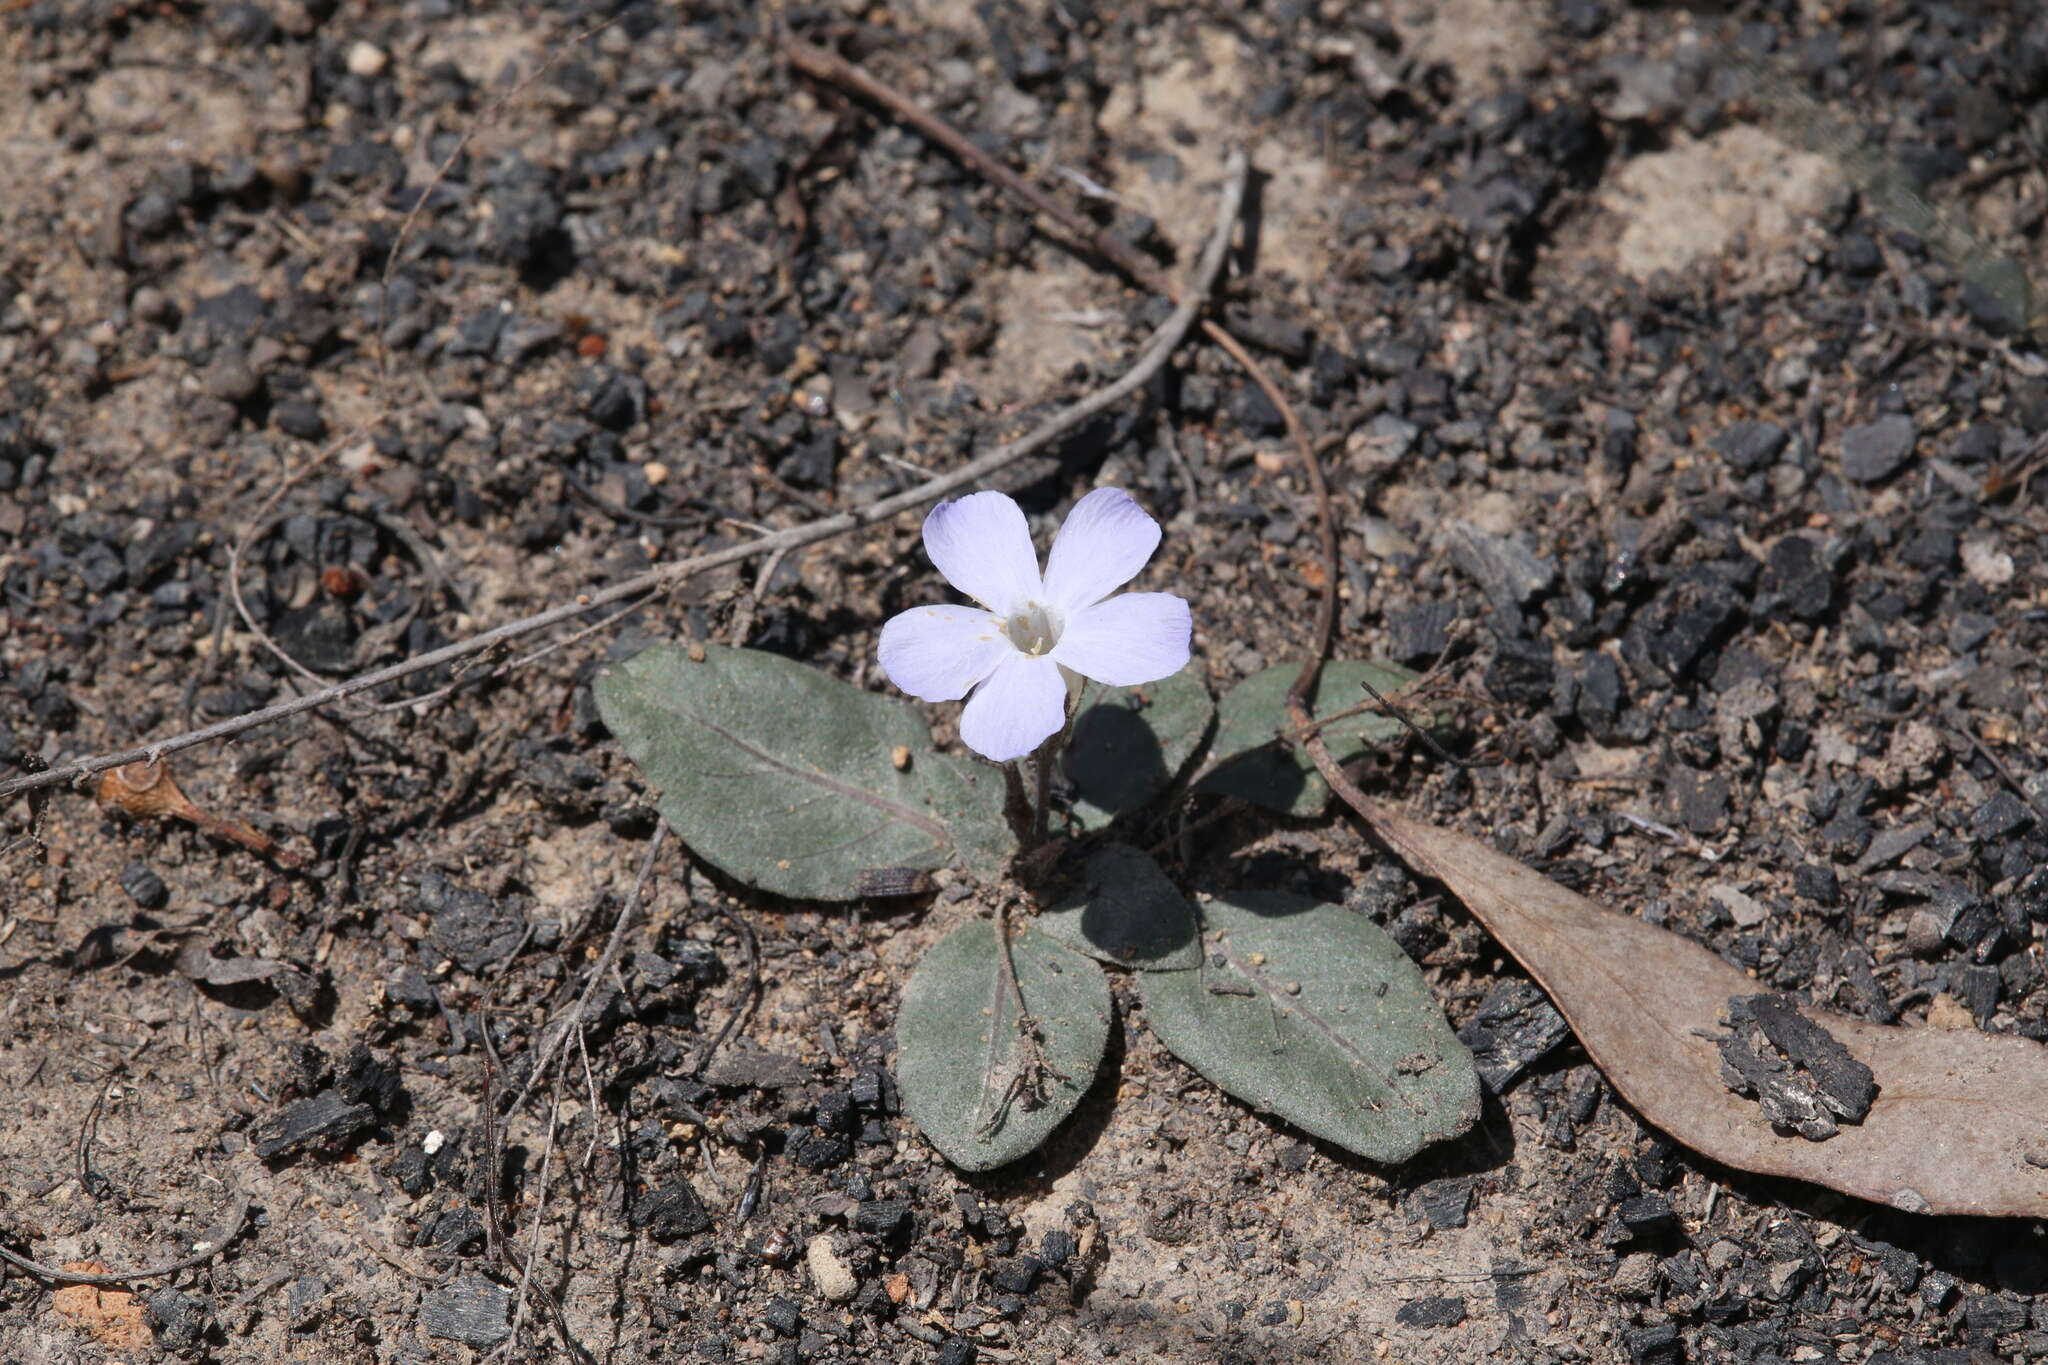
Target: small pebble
830	1270
367	60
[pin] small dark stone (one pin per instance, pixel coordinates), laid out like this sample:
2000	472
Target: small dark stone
1017	1276
241	24
1875	451
1702	800
1976	989
144	887
1750	446
158	550
958	1351
672	1212
100	569
783	1317
1058	1247
325	1121
478	333
811	461
1969	629
1988	1317
300	418
1440	1311
414	992
472	1310
235	316
615	401
1255	413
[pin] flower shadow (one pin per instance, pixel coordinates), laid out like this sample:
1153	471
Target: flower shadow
1115	761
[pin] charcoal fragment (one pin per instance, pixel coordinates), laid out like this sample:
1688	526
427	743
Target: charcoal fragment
1445	1204
323	1122
1516	1026
671	1212
1803	1077
1443	1310
182	1321
472	1310
1018	1275
1658	1345
469	928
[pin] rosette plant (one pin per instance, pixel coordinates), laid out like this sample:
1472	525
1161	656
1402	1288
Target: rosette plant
800	785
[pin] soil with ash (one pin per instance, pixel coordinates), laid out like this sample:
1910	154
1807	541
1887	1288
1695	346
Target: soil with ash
1717	488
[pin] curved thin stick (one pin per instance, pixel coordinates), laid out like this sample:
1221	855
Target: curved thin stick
1151	357
237	1217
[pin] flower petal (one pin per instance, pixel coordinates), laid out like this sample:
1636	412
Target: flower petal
937	653
1106	539
983	547
1023	703
1140	637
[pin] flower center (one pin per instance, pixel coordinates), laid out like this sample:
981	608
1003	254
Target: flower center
1033	629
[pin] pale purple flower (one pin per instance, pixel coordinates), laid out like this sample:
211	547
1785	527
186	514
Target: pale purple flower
1012	650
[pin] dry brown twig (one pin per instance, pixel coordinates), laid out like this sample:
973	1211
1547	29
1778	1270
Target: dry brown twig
237	1217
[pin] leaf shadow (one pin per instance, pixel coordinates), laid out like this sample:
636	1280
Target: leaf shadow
1115	760
1278	869
1267	775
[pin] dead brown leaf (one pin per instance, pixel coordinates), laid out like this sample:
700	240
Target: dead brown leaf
1958	1121
146	790
113	1316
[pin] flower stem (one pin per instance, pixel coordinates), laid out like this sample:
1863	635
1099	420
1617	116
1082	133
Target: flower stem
1041	808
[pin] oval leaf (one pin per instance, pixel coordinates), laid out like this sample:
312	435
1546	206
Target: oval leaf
1312	1012
1252	762
983	1085
1126	913
789	779
1956	1124
1129	745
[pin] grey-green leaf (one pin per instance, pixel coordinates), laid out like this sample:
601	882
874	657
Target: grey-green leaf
1125	912
1312	1012
1131	743
1251	762
789	779
983	1090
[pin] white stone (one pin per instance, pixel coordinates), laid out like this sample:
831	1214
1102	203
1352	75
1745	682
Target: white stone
366	59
